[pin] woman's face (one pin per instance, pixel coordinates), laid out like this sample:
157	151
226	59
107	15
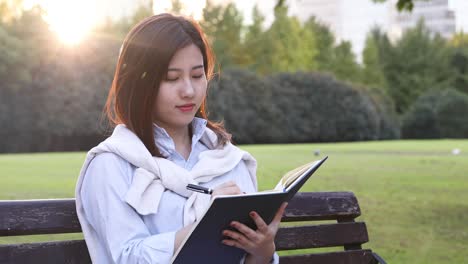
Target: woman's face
182	91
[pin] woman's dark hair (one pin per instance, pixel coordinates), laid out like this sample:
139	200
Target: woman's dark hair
143	62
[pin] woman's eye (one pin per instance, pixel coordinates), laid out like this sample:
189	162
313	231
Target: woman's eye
172	79
197	76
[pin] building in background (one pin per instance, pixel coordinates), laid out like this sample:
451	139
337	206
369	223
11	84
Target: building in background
349	20
352	20
437	16
329	12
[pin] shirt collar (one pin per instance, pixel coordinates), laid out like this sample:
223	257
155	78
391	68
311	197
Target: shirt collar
165	143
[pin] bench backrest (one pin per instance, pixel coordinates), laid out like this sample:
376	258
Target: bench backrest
31	217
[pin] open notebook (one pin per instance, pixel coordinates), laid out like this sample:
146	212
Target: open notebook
203	244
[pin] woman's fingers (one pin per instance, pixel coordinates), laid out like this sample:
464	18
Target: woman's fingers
227	188
234	243
227	191
261	225
256	242
279	214
236	240
245	230
227	184
274	225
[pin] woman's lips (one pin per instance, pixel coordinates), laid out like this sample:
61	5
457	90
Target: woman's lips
186	107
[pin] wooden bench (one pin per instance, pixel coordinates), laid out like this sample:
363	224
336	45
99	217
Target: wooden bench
32	217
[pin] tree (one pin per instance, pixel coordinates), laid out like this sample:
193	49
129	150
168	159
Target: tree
119	28
239	97
325	42
289	47
417	62
402	4
437	114
45	84
177	6
317	108
254	42
338	60
372	72
144	10
344	65
223	26
459	60
24	48
14	69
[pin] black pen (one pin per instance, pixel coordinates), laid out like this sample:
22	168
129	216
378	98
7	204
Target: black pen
200	189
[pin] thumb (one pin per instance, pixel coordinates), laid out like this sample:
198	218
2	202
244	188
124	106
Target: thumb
279	214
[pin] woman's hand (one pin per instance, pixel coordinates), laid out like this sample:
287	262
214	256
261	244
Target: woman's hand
227	188
260	243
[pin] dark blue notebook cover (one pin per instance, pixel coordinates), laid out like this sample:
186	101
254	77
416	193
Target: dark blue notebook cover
203	245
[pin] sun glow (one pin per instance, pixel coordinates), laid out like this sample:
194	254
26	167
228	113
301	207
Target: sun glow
71	20
192	8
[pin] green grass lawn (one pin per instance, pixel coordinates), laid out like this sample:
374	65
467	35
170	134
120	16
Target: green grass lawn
413	194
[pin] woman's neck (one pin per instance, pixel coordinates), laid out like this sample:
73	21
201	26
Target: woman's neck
182	140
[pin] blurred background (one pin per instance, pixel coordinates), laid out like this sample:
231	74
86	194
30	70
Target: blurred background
304	71
379	86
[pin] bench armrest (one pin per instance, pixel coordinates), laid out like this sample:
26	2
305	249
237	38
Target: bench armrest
378	258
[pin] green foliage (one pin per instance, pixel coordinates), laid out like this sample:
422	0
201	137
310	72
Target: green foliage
417	62
372	72
288	46
402	5
254	48
325	42
223	25
12	68
459	60
176	6
338	60
118	29
317	107
285	46
25	42
51	96
437	114
344	66
144	10
389	122
297	107
459	63
23	51
244	102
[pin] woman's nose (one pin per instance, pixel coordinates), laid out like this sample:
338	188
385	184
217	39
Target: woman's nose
188	90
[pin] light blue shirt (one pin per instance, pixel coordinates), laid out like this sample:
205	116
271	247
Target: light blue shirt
127	236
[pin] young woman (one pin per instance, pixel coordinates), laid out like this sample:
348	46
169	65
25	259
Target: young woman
131	196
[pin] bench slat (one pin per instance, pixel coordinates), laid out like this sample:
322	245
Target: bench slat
75	252
60	252
33	217
310	206
316	236
57	216
344	257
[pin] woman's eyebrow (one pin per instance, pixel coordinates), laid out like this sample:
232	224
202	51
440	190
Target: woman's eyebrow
177	69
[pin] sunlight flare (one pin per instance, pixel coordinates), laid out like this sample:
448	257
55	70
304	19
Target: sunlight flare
70	20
